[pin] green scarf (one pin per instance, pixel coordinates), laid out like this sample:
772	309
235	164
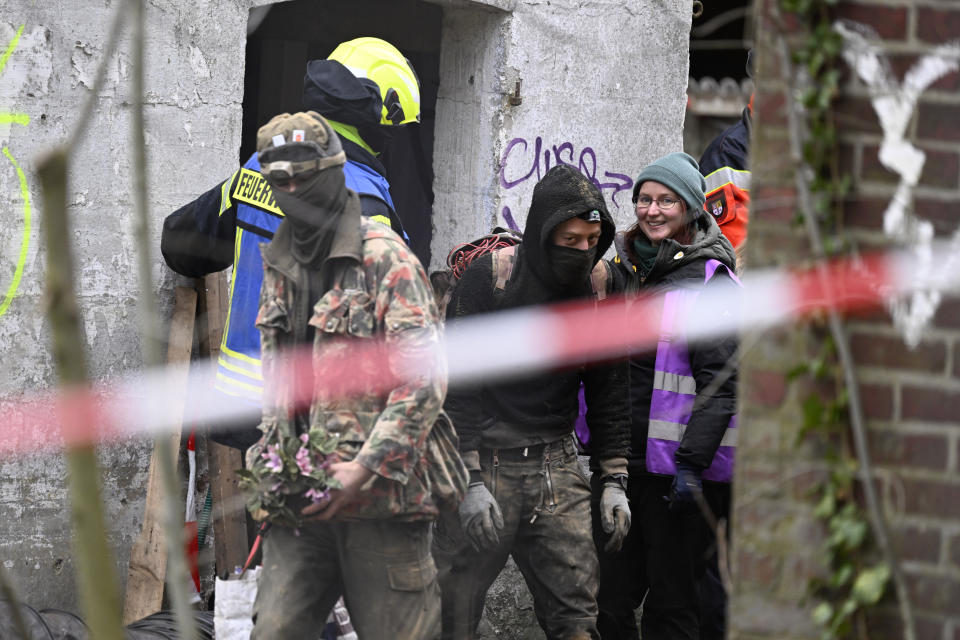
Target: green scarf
645	253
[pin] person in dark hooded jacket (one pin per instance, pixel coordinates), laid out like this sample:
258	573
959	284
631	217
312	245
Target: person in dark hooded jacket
528	496
683	401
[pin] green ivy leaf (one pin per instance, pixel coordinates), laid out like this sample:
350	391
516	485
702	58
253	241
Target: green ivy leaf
816	61
826	507
842	575
849	606
797	371
870	584
819	367
847	532
822	613
812	412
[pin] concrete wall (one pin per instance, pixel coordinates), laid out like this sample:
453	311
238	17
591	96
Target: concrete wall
194	88
603	86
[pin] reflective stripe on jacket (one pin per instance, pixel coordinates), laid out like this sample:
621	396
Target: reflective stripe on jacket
238	366
726	172
675	390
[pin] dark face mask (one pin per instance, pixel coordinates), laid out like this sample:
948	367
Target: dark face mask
313	213
378	136
569	266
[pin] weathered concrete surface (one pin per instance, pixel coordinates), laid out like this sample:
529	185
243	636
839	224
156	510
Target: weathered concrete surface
603	85
195	53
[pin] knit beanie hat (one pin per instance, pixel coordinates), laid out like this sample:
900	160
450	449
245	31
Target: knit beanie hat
680	173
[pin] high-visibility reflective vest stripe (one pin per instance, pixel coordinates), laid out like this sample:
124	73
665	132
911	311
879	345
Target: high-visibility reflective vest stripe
674	382
225	201
675	391
674	432
349	132
242	360
726	175
238	366
728	201
238	386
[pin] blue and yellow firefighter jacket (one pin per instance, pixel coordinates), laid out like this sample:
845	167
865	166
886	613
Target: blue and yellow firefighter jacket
225	226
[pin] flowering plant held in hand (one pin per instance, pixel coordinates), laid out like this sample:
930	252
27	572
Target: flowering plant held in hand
287	473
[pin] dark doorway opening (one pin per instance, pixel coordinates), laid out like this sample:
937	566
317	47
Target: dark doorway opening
719	89
719	40
283	37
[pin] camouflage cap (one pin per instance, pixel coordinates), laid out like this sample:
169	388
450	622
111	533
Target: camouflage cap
291	144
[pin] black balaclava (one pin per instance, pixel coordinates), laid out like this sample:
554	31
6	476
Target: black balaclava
330	89
545	272
570	267
312	212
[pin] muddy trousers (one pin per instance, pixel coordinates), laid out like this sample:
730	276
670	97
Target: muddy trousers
545	500
382	568
663	565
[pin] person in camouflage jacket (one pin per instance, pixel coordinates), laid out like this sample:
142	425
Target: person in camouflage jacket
337	281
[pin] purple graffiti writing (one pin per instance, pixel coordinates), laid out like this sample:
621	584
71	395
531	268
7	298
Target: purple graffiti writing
517	154
508	218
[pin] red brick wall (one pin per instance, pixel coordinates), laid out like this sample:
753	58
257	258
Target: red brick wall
911	396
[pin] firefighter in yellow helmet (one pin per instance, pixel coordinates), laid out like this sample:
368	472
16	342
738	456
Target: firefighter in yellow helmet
365	89
381	62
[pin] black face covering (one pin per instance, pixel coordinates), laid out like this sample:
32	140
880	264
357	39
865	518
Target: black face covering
541	267
571	267
378	136
313	213
330	89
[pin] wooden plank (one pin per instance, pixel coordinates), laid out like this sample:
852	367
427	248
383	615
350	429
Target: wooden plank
229	513
148	557
212	304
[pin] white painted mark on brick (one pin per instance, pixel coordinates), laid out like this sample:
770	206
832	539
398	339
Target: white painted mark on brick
895	104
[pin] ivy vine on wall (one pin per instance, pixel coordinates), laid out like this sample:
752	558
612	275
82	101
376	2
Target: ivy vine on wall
857	573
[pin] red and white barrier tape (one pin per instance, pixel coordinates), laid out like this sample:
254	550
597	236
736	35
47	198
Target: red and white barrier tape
477	348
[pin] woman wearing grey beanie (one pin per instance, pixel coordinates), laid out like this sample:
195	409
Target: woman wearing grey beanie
683	400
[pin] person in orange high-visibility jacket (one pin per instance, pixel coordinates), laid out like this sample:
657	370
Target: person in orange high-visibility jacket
726	170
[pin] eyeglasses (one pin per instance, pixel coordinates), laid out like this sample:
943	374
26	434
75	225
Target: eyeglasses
664	202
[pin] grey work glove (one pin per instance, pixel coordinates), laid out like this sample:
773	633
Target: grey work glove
614	515
480	517
687	490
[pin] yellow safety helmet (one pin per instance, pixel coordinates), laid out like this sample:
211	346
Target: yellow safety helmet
381	62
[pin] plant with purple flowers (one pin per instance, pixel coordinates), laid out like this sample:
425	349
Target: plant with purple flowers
289	473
